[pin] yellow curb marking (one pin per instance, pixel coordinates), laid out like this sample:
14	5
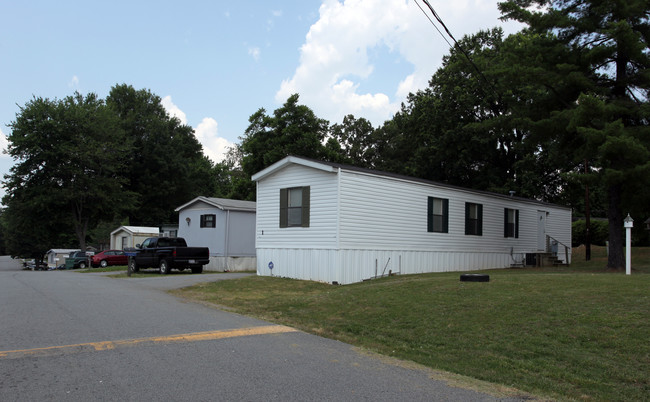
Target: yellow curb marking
110	345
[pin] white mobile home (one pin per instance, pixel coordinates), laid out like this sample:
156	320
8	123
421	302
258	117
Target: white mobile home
226	227
129	236
334	223
57	256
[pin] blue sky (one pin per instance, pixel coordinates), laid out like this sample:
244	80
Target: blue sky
215	63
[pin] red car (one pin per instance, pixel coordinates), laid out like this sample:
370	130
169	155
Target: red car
109	257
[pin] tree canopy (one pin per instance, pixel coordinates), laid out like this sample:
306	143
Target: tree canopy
166	166
82	162
69	154
292	130
604	124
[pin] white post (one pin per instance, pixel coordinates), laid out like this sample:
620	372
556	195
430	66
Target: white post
628	223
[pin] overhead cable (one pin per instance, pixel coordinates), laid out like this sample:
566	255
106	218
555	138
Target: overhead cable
456	44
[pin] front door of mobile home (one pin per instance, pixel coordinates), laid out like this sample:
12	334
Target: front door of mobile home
541	230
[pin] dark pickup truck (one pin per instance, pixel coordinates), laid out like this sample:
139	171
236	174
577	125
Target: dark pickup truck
166	253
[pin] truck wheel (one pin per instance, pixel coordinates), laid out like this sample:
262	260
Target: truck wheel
82	265
197	270
164	267
133	267
103	264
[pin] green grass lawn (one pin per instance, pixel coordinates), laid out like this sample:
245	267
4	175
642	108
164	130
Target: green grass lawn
576	332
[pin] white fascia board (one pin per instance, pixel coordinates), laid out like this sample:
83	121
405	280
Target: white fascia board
292	160
188	204
199	198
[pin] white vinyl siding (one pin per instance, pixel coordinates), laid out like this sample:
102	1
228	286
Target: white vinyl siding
321	232
383	212
232	233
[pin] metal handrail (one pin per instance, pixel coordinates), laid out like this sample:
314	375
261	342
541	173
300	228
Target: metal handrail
566	248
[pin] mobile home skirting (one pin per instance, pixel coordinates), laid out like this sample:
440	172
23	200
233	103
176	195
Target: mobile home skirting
350	266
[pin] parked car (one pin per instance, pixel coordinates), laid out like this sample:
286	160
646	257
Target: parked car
109	257
79	260
166	253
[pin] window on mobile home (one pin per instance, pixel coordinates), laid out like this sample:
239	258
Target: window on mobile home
473	219
511	223
294	207
438	215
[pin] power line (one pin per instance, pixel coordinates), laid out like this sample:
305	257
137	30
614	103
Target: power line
432	23
457	45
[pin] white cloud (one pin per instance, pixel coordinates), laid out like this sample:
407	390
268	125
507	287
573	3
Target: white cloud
74	82
214	147
255	52
335	62
4	144
173	110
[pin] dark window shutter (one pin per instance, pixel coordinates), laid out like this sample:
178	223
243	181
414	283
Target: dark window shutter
505	222
202	221
284	201
430	214
305	207
480	219
516	224
467	225
445	215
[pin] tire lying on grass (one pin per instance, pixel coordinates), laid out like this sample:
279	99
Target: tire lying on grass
475	278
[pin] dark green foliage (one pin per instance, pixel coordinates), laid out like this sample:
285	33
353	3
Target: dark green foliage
230	181
476	129
69	155
599	232
353	142
603	85
292	130
166	166
83	164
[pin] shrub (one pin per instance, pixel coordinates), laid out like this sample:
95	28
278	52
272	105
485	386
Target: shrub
599	232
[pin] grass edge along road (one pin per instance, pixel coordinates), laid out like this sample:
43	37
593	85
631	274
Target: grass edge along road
565	333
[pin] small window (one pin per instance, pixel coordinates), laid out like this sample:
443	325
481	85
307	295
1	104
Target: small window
438	215
511	223
473	219
294	207
208	221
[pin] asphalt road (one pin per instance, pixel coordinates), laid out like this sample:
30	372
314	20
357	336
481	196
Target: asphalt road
68	336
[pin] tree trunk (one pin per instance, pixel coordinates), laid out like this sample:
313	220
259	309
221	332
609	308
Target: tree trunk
80	228
587	218
616	259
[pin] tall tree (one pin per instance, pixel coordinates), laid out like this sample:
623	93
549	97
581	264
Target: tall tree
472	125
166	166
292	130
607	124
356	141
69	154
